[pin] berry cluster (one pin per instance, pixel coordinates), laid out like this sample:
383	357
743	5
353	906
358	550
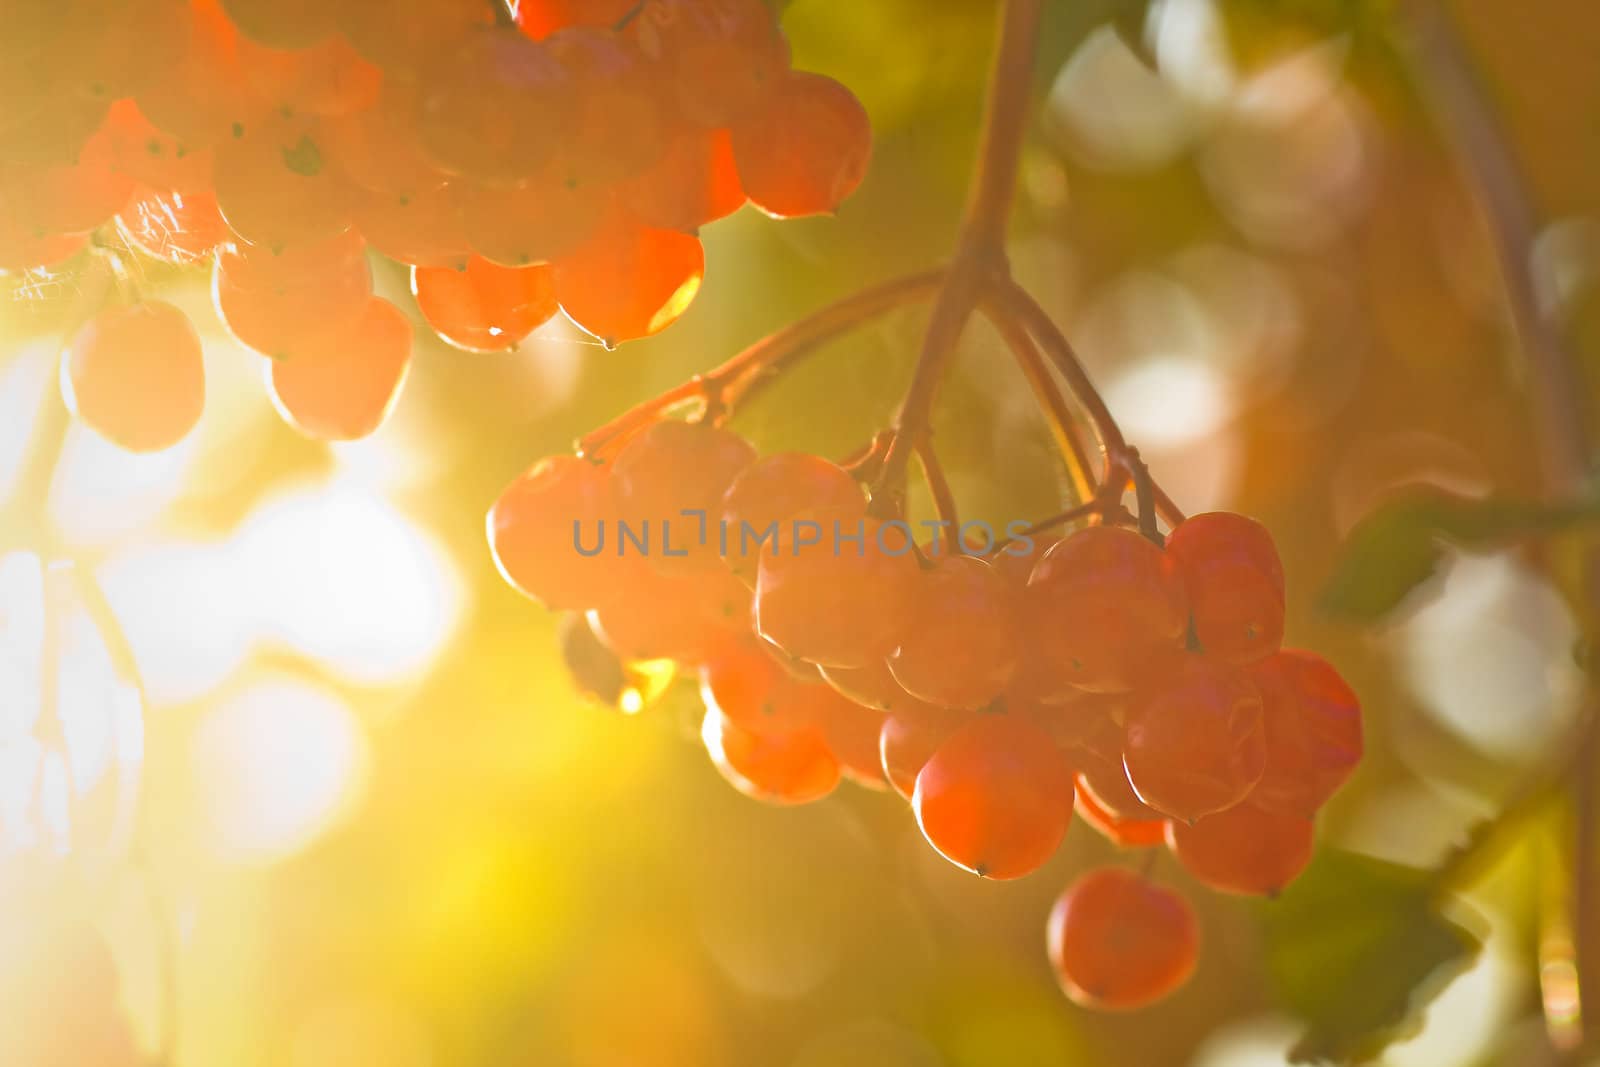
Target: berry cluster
561	160
999	689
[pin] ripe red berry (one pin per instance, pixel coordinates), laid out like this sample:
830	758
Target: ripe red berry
537	221
794	767
1194	742
344	386
275	185
656	616
1312	721
544	528
671	468
694	182
287	303
746	684
721	59
1244	849
484	307
1119	942
421	227
136	376
774	489
1120	831
852	733
908	741
1234	580
995	798
959	649
1105	607
376	147
618	115
328	78
492	109
807	150
841	598
629	281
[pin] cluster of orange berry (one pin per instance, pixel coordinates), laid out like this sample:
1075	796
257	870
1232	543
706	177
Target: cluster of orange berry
999	689
561	159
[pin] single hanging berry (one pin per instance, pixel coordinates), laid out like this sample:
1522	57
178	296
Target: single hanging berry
343	387
1234	580
995	798
136	376
1119	942
1244	850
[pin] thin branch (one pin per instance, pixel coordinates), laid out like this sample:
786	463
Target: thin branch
1013	300
740	377
944	501
1051	403
980	249
1466	117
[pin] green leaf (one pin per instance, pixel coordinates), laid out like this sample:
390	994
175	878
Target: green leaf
1398	548
1357	948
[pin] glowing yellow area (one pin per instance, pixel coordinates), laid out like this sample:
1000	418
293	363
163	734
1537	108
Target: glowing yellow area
676	304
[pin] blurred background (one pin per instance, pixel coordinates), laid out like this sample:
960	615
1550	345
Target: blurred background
379	826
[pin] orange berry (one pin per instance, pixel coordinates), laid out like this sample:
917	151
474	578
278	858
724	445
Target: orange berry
420	228
996	798
287	304
629	281
960	648
1234	580
484	307
908	740
792	767
1118	942
835	588
1312	721
1194	742
693	183
1244	850
345	384
807	150
276	187
776	488
1106	608
493	107
538	524
136	376
671	468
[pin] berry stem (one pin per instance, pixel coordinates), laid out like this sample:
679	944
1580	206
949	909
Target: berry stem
980	249
944	501
1462	108
1059	418
742	376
